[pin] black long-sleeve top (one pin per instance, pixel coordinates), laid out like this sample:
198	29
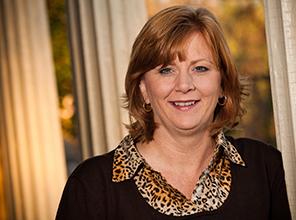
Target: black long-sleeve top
257	189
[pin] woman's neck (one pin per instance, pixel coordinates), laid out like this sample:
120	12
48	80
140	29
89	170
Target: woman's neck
180	160
178	152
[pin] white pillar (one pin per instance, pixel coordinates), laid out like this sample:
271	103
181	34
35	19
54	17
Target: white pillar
101	37
280	20
32	154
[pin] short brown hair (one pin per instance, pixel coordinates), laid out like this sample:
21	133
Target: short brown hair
162	39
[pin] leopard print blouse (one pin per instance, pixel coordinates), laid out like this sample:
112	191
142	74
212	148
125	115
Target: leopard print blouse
210	192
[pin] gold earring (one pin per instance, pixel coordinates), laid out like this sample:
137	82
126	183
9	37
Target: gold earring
224	101
147	107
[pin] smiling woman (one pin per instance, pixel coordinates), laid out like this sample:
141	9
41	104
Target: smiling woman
182	89
184	95
166	39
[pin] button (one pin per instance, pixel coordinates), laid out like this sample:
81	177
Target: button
198	192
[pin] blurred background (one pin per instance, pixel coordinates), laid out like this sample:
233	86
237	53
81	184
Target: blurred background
243	23
54	116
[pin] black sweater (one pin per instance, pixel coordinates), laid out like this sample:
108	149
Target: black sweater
258	191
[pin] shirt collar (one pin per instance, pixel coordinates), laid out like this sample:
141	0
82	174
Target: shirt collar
127	159
229	149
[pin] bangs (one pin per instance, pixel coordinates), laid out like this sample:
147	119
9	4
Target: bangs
164	45
174	47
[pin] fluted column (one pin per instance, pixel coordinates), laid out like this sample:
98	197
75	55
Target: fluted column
32	154
280	20
101	36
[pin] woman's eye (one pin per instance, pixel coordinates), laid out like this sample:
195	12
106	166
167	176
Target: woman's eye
165	71
201	69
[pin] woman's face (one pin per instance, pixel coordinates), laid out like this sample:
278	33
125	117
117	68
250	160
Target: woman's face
184	94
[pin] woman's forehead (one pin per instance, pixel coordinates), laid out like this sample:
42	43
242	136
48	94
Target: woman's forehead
194	47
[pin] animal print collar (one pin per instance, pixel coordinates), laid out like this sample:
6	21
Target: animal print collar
210	192
127	159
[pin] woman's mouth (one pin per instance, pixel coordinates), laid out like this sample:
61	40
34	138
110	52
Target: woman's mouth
184	104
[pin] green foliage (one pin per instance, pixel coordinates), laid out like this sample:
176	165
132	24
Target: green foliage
243	22
60	46
58	29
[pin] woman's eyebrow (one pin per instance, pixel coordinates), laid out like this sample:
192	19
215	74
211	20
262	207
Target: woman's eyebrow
199	60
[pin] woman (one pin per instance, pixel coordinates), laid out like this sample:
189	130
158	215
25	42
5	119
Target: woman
182	88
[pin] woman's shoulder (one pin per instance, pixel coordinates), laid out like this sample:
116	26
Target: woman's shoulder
251	149
95	166
244	143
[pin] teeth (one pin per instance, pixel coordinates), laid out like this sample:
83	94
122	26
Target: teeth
182	104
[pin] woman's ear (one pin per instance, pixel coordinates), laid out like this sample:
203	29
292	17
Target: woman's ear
222	94
144	91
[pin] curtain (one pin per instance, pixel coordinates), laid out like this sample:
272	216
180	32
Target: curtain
31	148
280	21
101	36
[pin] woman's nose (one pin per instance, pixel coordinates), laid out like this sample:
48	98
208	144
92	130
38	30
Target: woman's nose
184	82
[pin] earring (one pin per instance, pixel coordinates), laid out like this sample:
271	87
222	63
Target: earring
224	100
147	107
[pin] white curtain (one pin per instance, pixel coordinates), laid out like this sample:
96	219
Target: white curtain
101	36
280	21
31	147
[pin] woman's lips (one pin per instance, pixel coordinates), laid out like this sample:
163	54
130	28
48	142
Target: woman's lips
184	105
